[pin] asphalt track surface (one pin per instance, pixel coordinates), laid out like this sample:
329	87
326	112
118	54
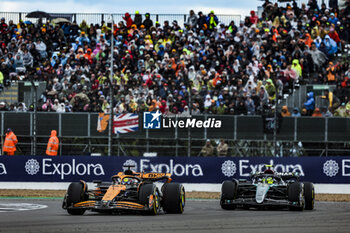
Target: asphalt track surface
199	216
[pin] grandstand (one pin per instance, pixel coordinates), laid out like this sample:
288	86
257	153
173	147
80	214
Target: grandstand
278	79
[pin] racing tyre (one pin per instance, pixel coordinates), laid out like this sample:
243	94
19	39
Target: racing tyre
296	195
228	192
149	195
174	198
76	193
309	195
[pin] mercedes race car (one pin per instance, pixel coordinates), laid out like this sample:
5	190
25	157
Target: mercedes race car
128	191
268	189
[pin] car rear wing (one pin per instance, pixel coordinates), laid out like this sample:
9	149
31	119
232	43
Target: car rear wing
282	175
152	176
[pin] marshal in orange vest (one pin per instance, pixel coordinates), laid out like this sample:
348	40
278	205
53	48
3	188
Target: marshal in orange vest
10	142
53	144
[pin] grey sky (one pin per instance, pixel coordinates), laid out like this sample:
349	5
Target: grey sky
110	6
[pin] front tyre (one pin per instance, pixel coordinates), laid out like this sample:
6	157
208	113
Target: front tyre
309	194
174	198
76	193
149	195
296	196
228	193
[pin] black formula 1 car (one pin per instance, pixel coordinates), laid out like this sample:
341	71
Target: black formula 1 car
268	189
128	191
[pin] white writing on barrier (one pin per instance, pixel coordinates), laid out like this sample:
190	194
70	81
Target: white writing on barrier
191	123
346	167
245	169
2	169
176	169
65	169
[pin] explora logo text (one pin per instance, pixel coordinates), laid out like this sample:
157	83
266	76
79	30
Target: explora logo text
65	169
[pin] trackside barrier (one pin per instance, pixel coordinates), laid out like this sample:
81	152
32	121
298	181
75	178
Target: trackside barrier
195	170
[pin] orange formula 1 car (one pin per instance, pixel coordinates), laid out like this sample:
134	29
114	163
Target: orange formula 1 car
128	191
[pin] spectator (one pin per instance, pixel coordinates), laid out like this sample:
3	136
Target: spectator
342	111
330	73
330	45
207	149
253	18
27	59
271	90
296	112
19	64
41	48
192	20
310	103
304	112
317	113
222	148
326	113
21	107
148	23
128	20
138	19
288	45
202	21
212	20
250	105
285	112
55	105
3	106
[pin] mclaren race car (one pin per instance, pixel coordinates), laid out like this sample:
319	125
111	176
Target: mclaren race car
128	191
268	189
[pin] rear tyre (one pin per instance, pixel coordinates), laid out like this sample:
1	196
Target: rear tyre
309	194
174	198
149	195
76	193
296	196
228	193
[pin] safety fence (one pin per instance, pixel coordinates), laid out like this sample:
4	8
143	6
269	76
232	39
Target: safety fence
97	18
245	135
300	2
84	125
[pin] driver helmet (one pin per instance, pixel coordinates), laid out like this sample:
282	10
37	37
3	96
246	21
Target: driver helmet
269	180
126	181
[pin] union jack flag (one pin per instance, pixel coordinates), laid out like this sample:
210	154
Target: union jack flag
126	123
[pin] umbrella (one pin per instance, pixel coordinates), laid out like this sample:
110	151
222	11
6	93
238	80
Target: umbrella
38	14
27	22
60	20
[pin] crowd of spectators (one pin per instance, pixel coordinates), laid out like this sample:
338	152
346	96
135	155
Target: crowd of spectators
203	66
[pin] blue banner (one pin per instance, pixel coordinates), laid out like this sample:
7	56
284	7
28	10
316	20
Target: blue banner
183	169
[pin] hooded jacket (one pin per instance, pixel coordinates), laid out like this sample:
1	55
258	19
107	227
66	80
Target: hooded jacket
331	45
53	144
297	67
270	89
128	20
10	143
310	103
138	20
296	112
285	112
317	113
